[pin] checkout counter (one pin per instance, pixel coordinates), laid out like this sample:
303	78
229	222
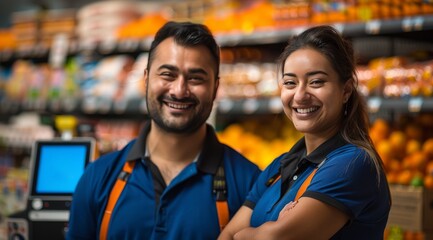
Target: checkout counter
56	167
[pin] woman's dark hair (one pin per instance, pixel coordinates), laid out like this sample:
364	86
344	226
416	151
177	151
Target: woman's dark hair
339	52
186	34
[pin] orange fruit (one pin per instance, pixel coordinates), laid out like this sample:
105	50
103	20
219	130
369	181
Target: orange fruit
418	160
428	181
385	151
413	146
429	168
393	166
391	177
397	139
381	128
427	147
404	177
413	131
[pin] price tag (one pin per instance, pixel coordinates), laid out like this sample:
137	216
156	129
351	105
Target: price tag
250	106
24	51
143	106
225	105
55	105
406	24
89	105
418	23
339	27
73	46
372	27
415	104
128	45
87	46
104	105
374	104
120	106
6	55
69	104
145	44
275	105
107	46
298	30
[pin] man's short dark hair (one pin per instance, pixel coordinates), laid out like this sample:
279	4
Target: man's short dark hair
186	34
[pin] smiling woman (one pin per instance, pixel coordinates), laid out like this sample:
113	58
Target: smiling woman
333	176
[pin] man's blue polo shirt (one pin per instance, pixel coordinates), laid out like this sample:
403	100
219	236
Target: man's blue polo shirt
147	209
346	180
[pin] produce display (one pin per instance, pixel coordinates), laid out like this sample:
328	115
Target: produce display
113	73
406	148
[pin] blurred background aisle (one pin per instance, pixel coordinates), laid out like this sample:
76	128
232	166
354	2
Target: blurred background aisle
84	59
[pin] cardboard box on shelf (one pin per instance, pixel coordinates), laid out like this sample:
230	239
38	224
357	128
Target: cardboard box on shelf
412	208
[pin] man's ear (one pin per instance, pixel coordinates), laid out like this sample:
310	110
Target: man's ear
146	80
217	84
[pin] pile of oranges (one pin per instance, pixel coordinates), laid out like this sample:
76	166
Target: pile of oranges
406	150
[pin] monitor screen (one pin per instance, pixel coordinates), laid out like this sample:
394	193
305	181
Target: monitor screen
58	165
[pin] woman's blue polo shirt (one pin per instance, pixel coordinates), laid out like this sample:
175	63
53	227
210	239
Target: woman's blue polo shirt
147	209
347	180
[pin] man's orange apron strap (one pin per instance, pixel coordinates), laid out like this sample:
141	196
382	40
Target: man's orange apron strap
114	196
220	189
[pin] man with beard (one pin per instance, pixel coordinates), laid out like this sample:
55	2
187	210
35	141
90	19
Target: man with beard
170	182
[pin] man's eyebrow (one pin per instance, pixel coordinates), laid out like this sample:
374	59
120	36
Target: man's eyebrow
197	71
190	71
169	67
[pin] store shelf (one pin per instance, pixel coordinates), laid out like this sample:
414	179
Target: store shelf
359	29
401	105
225	106
260	37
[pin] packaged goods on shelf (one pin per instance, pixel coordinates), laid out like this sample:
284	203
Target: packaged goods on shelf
99	21
7	40
114	135
396	77
55	22
23	130
244	80
25	27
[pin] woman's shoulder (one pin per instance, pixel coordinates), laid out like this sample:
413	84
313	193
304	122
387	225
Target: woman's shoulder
348	150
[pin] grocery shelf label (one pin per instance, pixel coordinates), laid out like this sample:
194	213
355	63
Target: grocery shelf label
145	43
373	27
415	104
225	105
374	104
275	105
406	24
143	106
119	106
418	23
128	45
250	106
107	46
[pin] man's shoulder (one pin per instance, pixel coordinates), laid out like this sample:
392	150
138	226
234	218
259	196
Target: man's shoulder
110	160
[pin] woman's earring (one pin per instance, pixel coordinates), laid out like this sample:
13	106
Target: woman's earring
345	109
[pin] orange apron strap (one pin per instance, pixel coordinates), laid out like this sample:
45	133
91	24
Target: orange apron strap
305	184
223	213
117	189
